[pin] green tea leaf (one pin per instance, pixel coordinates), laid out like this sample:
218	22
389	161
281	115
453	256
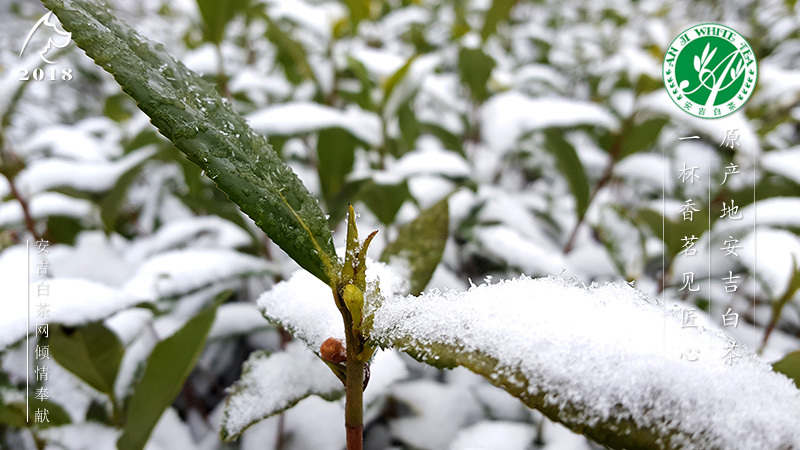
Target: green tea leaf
359	10
642	136
475	67
92	352
384	200
167	369
216	16
499	12
13	414
292	56
570	167
421	243
396	78
335	155
789	366
112	202
189	112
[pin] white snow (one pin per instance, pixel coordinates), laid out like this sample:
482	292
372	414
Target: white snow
179	272
608	351
237	318
521	252
85	176
203	231
296	371
507	117
783	162
48	204
440	411
304	117
70	301
305	305
489	435
774	256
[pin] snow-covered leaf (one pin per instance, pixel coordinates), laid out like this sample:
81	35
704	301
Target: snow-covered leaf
195	118
783	162
72	302
604	361
508	116
179	272
304	117
273	383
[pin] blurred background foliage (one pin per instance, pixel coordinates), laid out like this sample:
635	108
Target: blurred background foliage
544	124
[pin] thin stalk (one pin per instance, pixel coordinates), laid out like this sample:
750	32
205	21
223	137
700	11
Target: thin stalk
354	396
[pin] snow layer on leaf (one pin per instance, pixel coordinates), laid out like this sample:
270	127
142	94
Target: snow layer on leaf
206	231
304	117
507	117
490	435
235	319
273	383
45	205
519	252
68	142
182	271
785	163
305	305
70	301
774	256
84	176
600	359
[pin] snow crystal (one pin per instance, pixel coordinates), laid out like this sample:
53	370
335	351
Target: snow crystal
600	353
270	384
508	116
304	117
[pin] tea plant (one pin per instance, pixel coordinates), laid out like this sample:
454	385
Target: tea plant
593	358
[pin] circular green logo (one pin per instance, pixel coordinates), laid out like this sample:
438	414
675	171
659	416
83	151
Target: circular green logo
710	71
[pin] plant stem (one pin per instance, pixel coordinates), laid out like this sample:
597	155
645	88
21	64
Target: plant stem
354	398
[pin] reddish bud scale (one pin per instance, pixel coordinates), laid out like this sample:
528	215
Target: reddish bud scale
333	350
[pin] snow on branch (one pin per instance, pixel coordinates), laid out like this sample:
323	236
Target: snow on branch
605	361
